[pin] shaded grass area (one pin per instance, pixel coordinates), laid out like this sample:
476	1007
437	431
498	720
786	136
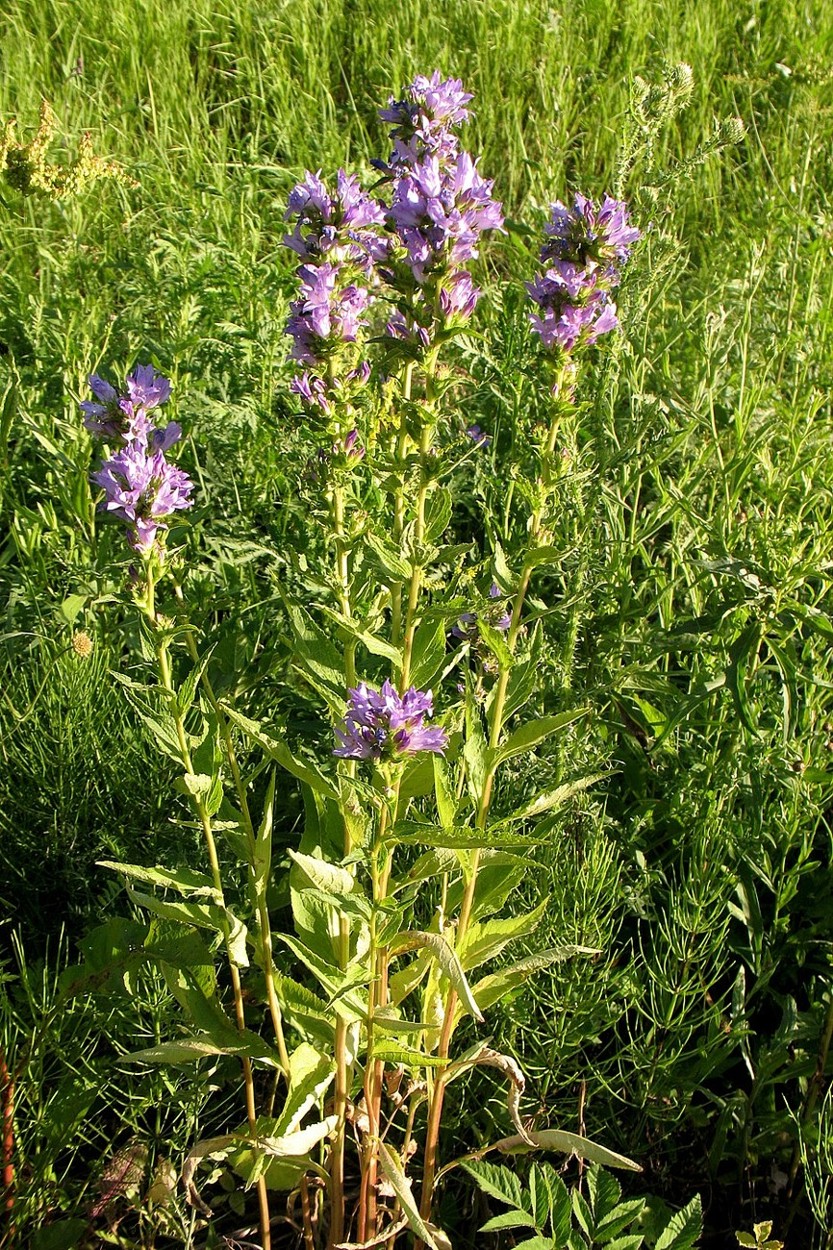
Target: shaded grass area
692	606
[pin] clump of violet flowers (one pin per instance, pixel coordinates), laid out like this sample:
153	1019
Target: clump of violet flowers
140	486
584	251
384	725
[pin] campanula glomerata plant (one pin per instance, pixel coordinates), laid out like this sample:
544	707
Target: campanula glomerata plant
420	654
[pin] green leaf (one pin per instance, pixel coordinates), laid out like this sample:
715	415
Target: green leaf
281	753
322	875
428	654
485	940
401	1186
310	1074
388	559
304	1010
60	1235
186	692
262	865
683	1229
204	916
618	1220
71	607
444	792
493	987
556	798
543	555
509	1219
496	642
529	736
497	1181
571	1144
475	752
184	880
439	948
199	1045
437	515
536	1243
338	984
603	1192
395	1053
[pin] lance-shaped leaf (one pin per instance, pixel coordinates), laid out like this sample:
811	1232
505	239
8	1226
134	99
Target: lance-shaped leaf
338	984
310	1073
204	916
186	882
392	1168
530	735
492	988
281	754
450	965
568	1144
198	1046
486	1057
408	1056
186	692
486	940
444	792
556	798
304	1010
261	867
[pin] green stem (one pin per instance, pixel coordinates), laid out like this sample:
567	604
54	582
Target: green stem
211	846
264	921
401	449
495	730
377	998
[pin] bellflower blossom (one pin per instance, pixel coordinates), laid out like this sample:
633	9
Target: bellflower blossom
384	725
340	226
440	206
141	488
337	236
125	416
422	122
584	252
440	210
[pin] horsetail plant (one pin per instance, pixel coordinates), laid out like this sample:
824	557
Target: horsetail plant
402	866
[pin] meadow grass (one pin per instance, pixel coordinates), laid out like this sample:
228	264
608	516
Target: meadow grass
692	608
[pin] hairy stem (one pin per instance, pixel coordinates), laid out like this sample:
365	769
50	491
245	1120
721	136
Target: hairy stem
264	921
495	730
211	846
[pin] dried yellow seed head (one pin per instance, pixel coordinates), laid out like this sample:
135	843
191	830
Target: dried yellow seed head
82	644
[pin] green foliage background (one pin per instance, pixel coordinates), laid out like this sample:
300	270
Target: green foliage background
699	624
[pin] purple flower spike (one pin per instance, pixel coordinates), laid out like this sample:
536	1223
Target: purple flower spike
384	725
142	489
423	122
125	416
584	252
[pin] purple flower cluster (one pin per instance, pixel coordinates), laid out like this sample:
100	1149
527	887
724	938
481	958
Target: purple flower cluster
125	416
440	206
140	486
584	252
384	725
337	238
422	122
